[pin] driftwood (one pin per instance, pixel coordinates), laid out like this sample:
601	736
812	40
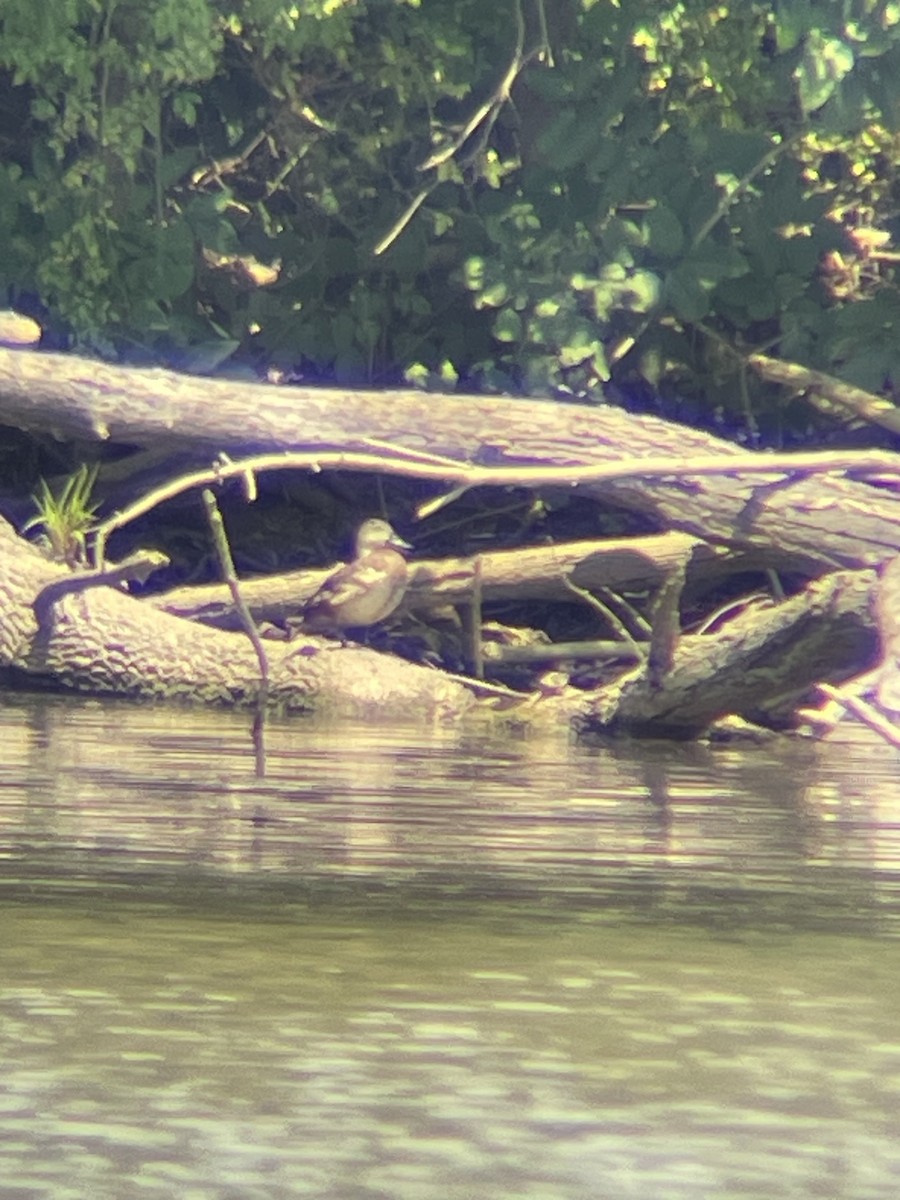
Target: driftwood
784	516
530	573
719	505
101	640
758	667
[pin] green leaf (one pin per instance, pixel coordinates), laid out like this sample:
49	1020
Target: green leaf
206	216
184	106
792	19
870	370
571	139
727	151
341	256
584	346
343	335
493	296
473	273
416	375
448	374
872	323
507	325
825	62
350	367
43	110
711	262
641	292
177	164
687	295
664	232
202	358
743	300
165	268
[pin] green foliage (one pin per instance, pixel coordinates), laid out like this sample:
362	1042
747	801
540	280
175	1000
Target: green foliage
86	184
65	519
532	195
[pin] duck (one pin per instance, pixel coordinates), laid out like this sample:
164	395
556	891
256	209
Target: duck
363	591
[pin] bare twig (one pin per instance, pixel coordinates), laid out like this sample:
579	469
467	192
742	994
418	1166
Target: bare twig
475	617
226	564
604	611
731	198
556	651
466	475
492	105
866	405
484	117
864	712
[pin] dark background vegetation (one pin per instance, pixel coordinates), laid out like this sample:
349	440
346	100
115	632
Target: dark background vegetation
604	200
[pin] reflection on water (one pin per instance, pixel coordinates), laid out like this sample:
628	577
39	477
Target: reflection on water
414	966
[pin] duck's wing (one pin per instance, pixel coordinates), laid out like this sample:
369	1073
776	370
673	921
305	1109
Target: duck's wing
347	584
361	593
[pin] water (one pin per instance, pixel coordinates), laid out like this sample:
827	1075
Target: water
438	966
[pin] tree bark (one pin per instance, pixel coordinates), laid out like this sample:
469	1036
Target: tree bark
527	573
758	667
809	523
100	639
103	641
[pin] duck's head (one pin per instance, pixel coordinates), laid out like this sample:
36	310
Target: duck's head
376	534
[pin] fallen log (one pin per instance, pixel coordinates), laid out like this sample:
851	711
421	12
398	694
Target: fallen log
784	516
771	510
100	640
525	573
758	667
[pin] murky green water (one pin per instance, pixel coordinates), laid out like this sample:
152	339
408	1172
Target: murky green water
430	967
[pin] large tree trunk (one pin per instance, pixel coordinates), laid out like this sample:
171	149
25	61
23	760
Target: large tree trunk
97	638
810	522
102	640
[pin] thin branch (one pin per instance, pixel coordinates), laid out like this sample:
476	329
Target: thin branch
732	197
403	220
874	462
226	564
601	650
546	50
603	610
475	618
864	712
866	405
495	101
487	115
218	167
